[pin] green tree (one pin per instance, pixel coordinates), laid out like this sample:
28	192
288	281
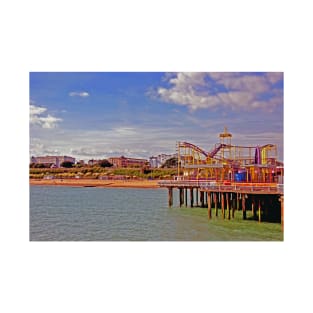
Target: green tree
67	164
172	162
40	165
105	163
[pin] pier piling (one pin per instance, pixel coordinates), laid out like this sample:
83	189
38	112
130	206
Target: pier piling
281	199
202	199
243	203
222	205
170	196
227	205
181	197
215	202
209	206
191	197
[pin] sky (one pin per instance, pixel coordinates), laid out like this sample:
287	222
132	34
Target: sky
95	115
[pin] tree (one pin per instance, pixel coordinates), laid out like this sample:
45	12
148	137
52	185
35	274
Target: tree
172	162
40	165
105	163
67	164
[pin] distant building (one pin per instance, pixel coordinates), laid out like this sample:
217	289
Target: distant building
52	161
127	162
158	161
93	162
153	161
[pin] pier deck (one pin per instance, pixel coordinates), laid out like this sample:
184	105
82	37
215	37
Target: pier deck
250	188
265	201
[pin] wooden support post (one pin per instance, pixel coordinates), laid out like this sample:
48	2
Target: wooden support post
181	197
209	206
191	197
215	202
233	206
170	196
252	205
202	199
233	202
238	201
243	203
259	210
282	212
227	205
186	200
222	205
197	196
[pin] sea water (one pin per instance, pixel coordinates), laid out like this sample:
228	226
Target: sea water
60	213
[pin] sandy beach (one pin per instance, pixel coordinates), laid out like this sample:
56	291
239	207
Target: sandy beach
96	183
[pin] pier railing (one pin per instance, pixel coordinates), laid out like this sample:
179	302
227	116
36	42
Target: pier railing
221	187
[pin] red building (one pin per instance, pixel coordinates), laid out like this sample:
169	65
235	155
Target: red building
127	162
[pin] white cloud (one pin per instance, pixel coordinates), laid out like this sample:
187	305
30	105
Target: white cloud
238	91
79	94
37	118
274	77
124	131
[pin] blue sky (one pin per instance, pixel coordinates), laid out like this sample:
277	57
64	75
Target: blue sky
140	114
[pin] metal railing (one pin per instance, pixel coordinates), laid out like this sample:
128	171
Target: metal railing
216	186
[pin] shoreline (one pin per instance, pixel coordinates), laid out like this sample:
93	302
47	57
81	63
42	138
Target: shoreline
95	183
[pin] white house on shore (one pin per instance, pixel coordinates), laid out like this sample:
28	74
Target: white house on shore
158	161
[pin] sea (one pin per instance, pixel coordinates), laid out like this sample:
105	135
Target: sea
59	213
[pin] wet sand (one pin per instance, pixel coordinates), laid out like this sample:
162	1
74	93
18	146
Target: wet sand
96	183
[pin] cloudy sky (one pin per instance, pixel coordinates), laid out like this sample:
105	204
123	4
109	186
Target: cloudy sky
98	115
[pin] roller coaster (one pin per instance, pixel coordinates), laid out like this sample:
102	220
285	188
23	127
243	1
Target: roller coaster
229	163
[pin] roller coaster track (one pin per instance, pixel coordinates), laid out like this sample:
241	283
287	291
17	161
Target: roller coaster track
192	146
213	153
198	149
216	150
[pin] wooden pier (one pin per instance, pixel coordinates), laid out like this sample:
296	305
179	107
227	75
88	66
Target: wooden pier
264	201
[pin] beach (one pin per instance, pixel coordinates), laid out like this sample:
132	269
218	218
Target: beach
96	183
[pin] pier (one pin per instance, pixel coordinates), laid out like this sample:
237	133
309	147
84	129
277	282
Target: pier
264	201
230	178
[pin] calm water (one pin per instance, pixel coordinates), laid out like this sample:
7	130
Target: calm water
65	213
